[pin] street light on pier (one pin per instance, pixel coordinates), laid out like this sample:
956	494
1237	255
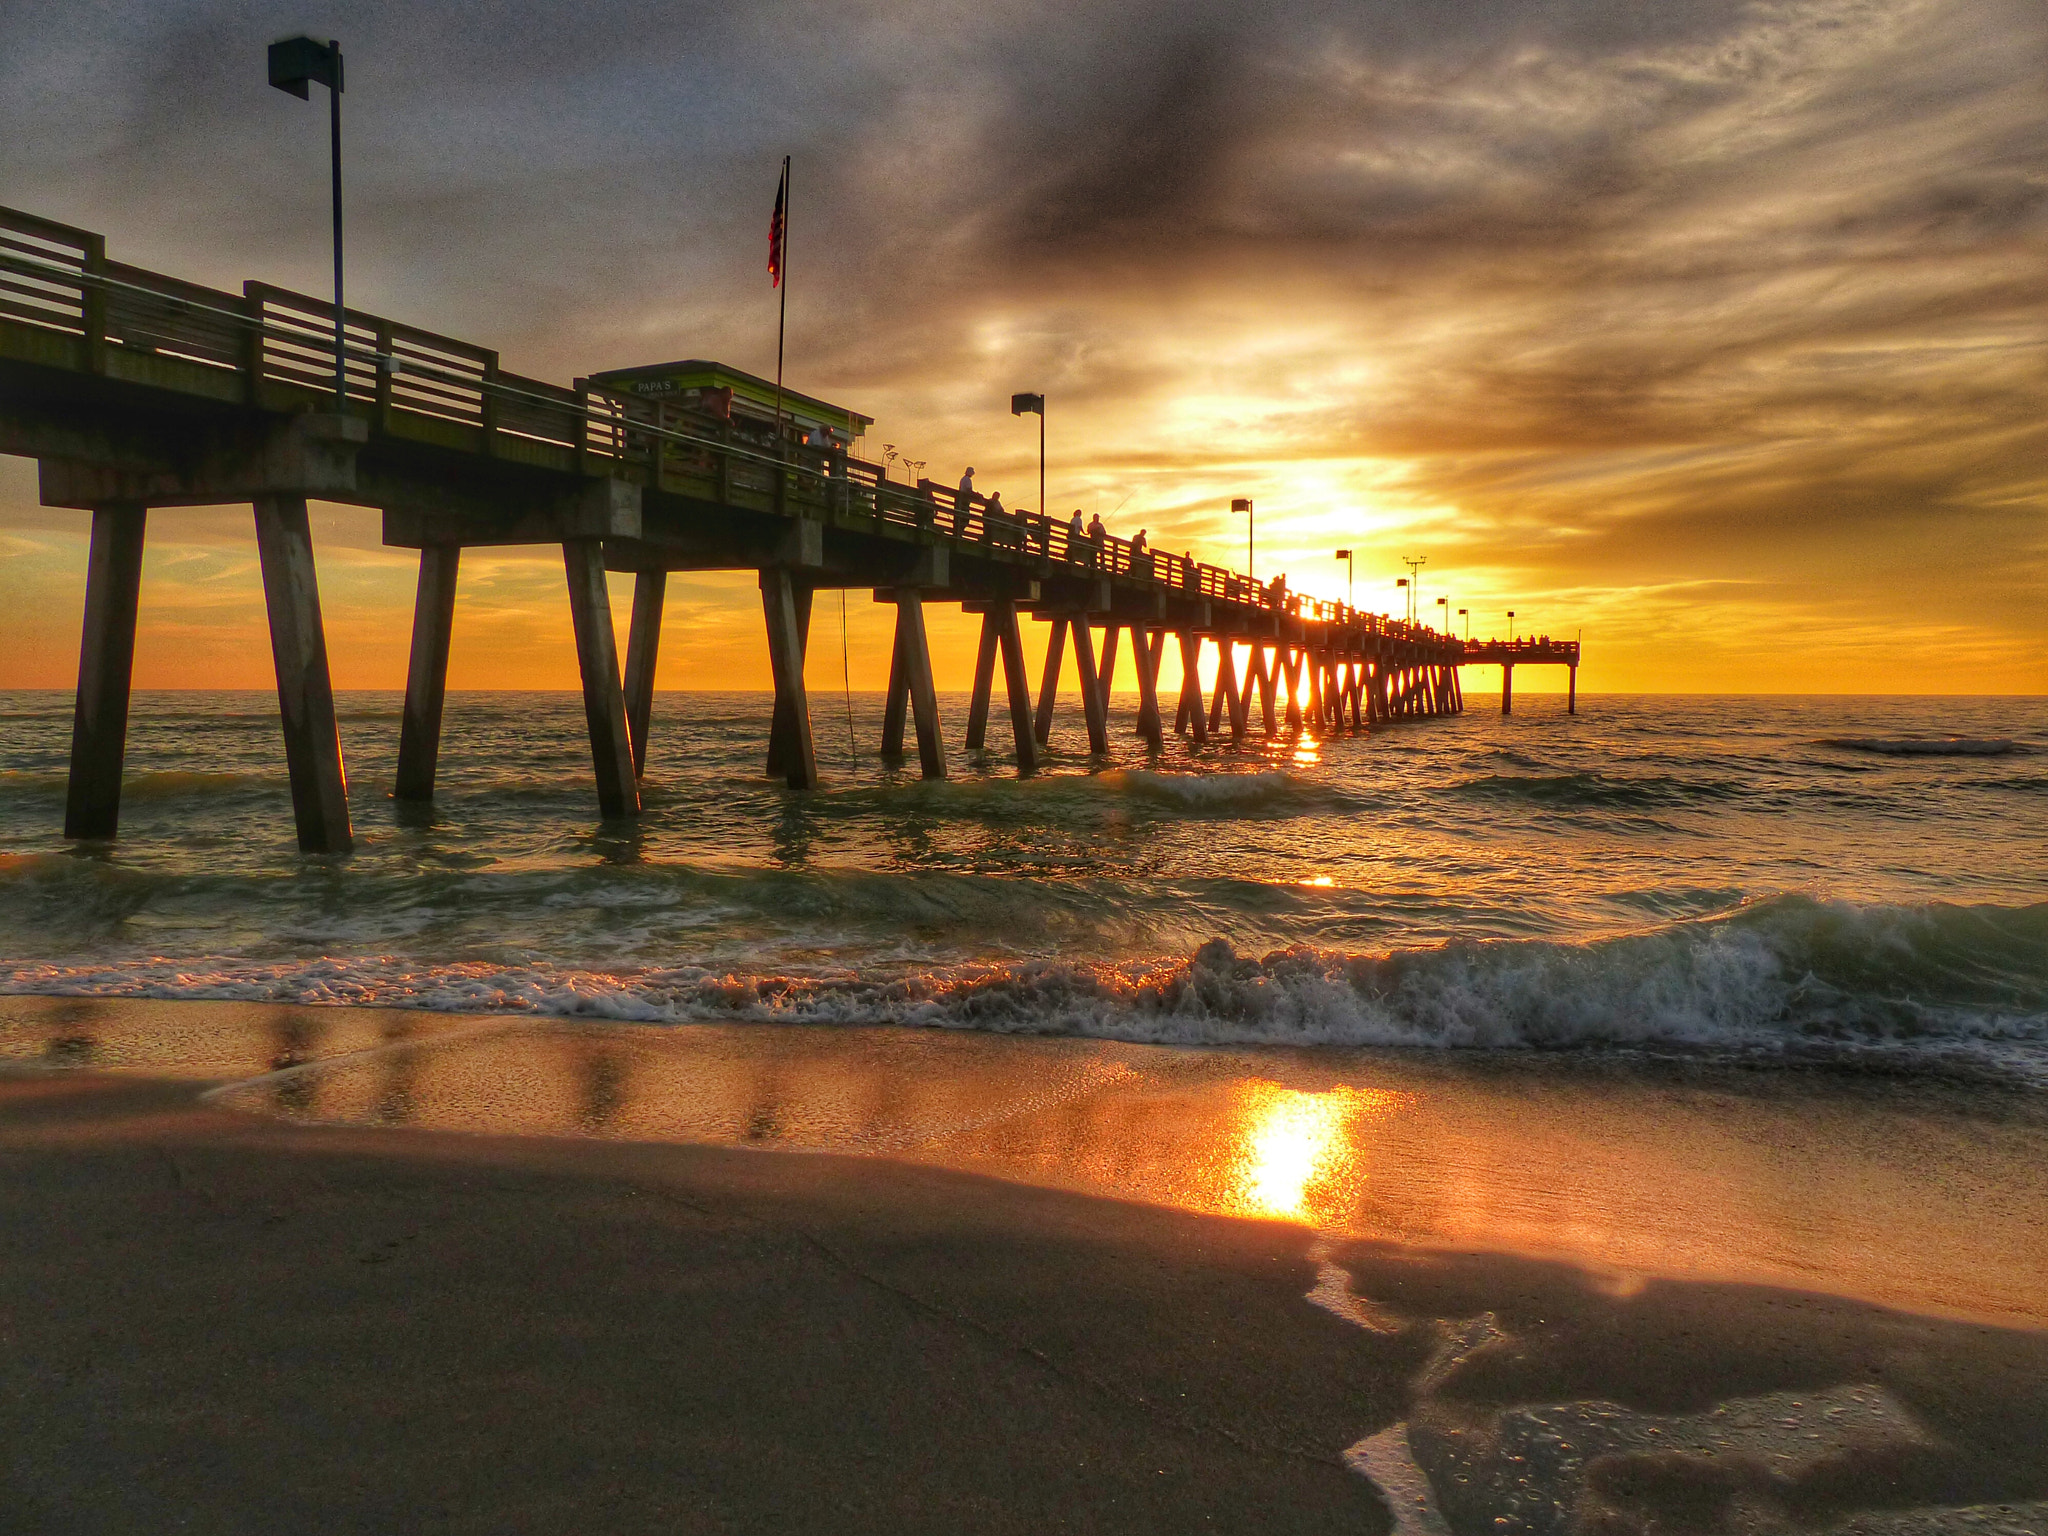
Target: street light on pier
1415	566
1401	583
1466	615
296	65
1445	604
1345	556
1511	626
1244	504
1019	404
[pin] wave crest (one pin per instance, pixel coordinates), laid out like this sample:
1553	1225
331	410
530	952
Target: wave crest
1787	975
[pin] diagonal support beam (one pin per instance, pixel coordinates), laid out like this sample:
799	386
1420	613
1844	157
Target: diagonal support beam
106	667
643	646
1017	684
305	693
786	606
984	682
597	658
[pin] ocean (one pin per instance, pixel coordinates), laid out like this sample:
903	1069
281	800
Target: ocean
1769	879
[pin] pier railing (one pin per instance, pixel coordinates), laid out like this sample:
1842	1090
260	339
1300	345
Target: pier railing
272	348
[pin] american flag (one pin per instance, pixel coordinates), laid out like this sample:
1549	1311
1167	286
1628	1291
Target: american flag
775	232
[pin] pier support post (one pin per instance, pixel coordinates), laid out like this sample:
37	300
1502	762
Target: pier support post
1571	690
1227	691
643	646
1151	650
1106	668
597	658
913	647
106	666
896	703
1017	684
1314	664
1091	686
305	693
984	682
1293	665
787	608
426	673
1191	714
1049	684
1507	688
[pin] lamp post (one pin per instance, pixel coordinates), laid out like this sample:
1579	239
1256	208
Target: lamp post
1445	604
1511	626
1019	404
1244	504
1345	556
1415	566
1401	582
1466	615
297	64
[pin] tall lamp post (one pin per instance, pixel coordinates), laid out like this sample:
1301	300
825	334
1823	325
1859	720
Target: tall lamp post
1445	604
1415	566
296	65
1401	582
1511	626
1345	556
1466	615
1019	404
1244	504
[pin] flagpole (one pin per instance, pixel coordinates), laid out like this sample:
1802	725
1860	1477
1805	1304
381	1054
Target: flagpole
782	318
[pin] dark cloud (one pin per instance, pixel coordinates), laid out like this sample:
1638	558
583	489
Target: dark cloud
1683	277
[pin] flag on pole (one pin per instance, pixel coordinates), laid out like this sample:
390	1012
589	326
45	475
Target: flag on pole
775	232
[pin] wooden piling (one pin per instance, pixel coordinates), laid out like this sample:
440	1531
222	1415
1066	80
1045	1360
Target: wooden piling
917	668
1150	649
786	606
984	682
597	658
643	648
896	703
1106	666
1294	661
1049	684
305	692
1017	684
1507	688
1571	691
1191	687
426	673
1090	684
106	667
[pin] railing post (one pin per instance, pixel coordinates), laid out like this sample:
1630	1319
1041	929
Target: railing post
92	303
386	361
487	404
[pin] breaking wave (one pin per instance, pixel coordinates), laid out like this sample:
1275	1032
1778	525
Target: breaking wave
1788	976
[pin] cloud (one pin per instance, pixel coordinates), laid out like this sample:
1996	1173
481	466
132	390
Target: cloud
1553	287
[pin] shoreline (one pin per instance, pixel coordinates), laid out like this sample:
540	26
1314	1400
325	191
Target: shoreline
1881	1187
255	1322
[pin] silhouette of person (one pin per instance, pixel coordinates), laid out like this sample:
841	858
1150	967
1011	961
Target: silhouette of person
966	487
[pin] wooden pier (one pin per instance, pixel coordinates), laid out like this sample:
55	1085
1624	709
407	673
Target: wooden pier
135	390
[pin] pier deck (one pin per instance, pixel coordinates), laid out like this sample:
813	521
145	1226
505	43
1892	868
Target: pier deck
135	390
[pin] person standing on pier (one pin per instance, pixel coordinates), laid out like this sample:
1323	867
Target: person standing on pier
965	494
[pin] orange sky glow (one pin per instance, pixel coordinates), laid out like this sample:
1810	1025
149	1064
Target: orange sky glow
1719	337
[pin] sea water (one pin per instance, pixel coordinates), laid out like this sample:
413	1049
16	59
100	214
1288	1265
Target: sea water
1752	877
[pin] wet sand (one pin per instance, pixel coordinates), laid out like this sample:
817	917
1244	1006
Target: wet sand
362	1308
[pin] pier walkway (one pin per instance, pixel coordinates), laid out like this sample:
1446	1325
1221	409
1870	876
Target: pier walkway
136	390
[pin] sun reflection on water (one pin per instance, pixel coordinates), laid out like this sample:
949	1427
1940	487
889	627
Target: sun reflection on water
1297	1153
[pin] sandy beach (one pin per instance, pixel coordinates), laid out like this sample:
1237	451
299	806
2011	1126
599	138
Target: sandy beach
267	1308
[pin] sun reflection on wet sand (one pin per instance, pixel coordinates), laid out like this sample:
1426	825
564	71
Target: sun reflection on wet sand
1298	1156
1914	1200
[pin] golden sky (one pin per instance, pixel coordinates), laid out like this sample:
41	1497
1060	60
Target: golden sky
1718	332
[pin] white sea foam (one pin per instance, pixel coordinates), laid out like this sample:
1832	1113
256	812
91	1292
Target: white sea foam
1790	976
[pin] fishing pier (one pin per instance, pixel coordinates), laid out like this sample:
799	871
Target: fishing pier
134	390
